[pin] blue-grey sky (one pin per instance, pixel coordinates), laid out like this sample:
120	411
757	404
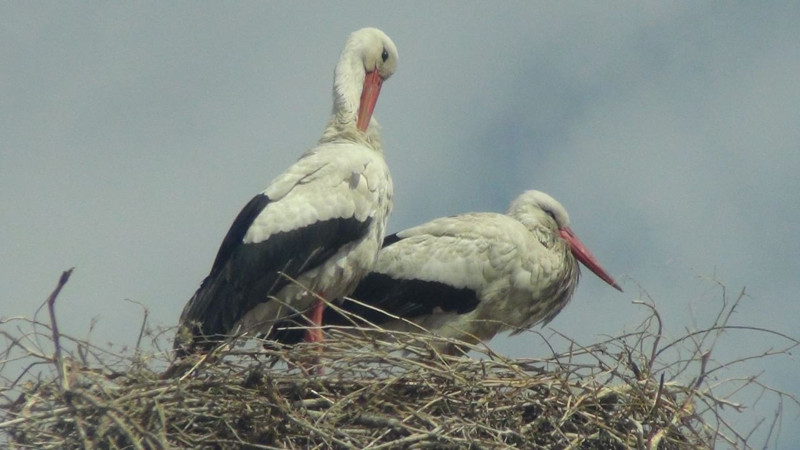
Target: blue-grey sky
132	133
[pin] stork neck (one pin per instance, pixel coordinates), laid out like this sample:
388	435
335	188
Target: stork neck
348	81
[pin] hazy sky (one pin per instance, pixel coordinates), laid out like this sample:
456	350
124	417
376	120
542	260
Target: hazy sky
132	133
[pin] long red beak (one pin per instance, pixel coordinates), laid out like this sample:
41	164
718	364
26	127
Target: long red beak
369	97
585	256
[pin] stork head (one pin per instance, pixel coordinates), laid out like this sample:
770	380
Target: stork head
535	209
369	58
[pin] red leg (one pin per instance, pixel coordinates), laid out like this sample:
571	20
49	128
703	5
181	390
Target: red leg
315	316
314	333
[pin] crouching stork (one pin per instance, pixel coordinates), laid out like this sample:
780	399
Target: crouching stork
473	275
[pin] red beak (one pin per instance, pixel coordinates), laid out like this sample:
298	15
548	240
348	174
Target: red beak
585	256
369	97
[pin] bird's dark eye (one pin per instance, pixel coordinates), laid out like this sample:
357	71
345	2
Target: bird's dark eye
384	55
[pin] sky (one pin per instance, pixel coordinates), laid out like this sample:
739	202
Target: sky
131	134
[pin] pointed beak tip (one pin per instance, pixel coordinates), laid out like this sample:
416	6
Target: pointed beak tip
585	256
610	281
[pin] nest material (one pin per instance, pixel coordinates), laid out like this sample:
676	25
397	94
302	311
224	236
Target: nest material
366	391
354	393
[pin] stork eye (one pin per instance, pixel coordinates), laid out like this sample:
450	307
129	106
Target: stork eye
384	55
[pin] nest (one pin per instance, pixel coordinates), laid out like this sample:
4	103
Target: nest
367	390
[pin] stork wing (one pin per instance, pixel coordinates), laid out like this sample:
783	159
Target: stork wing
245	274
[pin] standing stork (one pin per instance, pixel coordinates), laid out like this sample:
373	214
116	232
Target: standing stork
317	228
473	275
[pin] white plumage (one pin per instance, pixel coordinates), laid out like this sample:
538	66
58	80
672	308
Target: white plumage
474	275
321	222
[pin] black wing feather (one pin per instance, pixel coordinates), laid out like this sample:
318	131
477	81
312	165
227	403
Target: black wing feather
409	298
390	239
239	227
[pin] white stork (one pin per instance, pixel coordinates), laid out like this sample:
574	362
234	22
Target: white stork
317	228
473	275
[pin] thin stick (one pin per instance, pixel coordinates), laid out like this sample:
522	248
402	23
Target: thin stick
143	328
51	303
